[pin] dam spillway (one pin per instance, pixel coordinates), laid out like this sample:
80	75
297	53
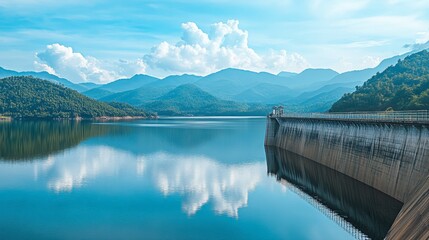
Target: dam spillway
390	155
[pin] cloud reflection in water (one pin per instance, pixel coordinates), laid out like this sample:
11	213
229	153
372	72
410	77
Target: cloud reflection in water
71	169
200	180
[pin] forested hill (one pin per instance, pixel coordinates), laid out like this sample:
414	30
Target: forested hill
189	99
404	86
28	97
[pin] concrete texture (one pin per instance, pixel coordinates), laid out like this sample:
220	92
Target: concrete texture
390	157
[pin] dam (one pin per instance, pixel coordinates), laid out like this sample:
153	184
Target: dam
387	152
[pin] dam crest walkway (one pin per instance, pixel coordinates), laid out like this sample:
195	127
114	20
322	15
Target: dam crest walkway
409	117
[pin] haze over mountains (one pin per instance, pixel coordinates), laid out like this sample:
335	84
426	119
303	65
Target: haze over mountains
311	90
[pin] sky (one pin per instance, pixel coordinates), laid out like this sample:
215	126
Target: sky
101	41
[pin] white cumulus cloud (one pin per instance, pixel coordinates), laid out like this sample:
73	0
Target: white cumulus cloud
64	62
224	45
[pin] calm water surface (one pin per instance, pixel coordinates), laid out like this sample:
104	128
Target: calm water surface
200	178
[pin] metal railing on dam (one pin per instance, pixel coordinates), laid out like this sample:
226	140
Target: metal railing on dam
418	116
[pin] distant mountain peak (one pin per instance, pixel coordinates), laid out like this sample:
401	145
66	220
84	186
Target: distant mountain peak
311	77
318	70
186	75
188	91
127	84
189	75
233	70
286	74
139	76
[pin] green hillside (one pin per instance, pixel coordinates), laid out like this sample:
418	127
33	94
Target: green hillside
188	99
28	97
404	86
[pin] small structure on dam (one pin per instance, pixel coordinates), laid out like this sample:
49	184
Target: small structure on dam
388	151
278	111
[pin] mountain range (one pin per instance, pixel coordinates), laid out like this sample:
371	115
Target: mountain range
188	99
310	90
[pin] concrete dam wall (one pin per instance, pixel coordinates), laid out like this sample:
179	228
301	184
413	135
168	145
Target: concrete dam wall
392	157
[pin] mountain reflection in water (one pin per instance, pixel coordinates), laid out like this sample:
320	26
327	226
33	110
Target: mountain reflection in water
27	140
349	201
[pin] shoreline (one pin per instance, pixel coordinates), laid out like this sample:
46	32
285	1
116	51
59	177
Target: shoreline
212	117
105	118
102	118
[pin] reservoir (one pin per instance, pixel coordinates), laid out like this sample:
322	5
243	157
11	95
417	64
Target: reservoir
174	178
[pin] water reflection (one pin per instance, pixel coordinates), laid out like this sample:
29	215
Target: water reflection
26	140
133	148
221	140
198	179
367	209
66	171
201	179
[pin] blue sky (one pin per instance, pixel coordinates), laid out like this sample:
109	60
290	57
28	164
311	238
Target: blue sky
100	41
